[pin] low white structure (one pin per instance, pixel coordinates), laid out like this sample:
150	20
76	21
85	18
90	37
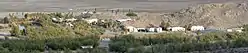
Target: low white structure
84	47
159	29
54	19
70	20
5	33
4	25
58	20
90	20
229	30
123	20
151	29
131	29
141	29
2	37
87	12
197	28
235	30
176	29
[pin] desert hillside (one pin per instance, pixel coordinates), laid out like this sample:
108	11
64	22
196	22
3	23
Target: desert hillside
215	15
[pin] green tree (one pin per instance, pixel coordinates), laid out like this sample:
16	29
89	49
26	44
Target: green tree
15	31
188	27
164	25
6	20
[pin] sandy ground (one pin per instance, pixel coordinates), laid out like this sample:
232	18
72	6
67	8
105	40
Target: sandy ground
80	5
101	5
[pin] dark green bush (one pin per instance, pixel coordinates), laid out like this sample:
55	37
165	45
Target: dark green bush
54	44
131	14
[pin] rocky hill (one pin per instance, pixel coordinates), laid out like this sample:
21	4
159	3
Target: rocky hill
214	15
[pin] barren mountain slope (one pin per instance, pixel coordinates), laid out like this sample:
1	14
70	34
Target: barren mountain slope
215	15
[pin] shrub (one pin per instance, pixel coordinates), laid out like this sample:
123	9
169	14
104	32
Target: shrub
54	44
131	14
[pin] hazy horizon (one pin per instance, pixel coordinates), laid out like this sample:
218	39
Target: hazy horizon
79	5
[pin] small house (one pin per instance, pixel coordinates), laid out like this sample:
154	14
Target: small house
131	29
123	20
57	20
70	20
141	29
235	29
150	29
90	20
197	28
158	29
4	25
84	47
87	12
176	29
54	19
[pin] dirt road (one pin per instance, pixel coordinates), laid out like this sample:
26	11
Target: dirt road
80	5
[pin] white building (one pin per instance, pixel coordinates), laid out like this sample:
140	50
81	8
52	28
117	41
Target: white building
123	20
197	28
4	25
235	30
176	29
90	20
159	29
131	29
58	20
86	47
151	29
87	12
70	20
141	29
54	19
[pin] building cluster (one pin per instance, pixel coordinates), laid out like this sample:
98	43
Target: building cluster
141	29
235	29
159	29
150	29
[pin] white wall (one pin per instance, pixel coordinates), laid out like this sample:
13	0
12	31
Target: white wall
176	28
159	29
151	29
91	20
197	28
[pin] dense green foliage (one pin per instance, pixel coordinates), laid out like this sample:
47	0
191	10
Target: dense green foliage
179	42
108	24
59	44
42	32
41	26
131	14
